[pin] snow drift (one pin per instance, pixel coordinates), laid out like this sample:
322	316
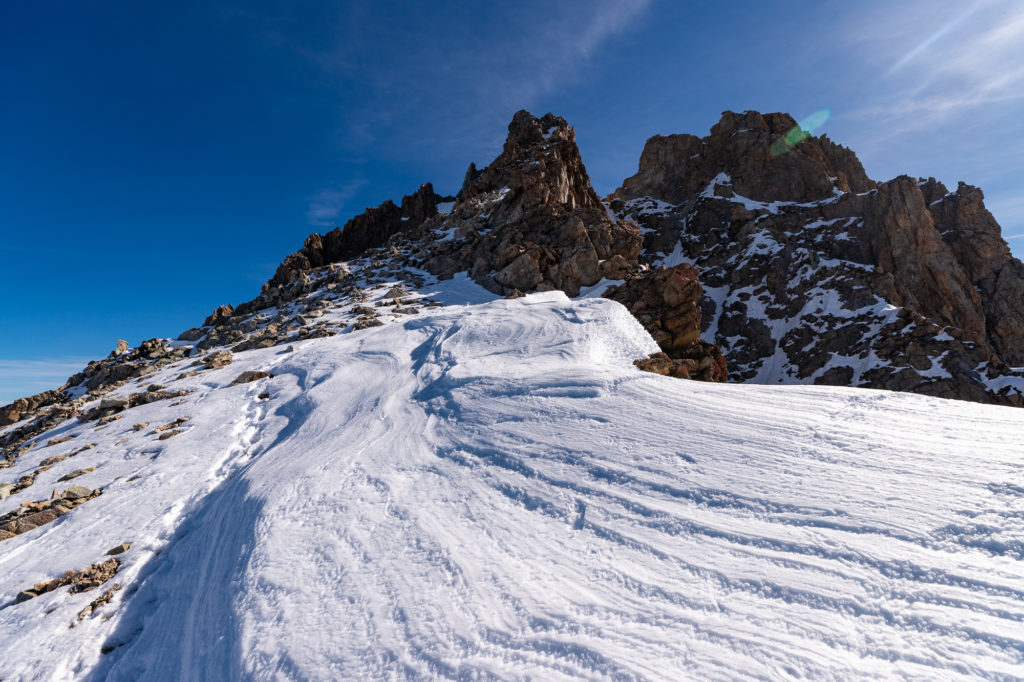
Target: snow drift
492	490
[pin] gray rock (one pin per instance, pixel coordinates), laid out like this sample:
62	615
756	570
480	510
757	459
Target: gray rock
24	596
76	492
250	376
114	403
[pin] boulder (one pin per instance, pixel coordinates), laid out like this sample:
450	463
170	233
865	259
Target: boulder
219	316
250	376
77	492
218	360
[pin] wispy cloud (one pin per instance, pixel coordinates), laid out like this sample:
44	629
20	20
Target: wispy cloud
972	61
934	37
327	204
451	77
21	378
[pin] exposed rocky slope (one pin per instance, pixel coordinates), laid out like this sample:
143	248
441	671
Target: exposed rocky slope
814	273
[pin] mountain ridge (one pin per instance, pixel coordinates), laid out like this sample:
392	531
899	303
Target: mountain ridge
531	221
400	466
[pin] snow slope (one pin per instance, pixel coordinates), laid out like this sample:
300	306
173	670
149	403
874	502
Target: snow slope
493	491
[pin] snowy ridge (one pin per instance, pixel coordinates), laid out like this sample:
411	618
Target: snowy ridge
492	490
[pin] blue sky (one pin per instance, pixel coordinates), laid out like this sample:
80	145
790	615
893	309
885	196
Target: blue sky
159	159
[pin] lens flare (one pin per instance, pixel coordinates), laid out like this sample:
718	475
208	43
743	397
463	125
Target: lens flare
800	132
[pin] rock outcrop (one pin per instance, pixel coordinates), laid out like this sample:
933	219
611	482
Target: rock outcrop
530	221
27	407
370	229
814	273
667	302
770	243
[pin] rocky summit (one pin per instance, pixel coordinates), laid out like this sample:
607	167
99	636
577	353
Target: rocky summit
815	273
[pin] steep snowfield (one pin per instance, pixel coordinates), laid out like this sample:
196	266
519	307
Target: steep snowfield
494	491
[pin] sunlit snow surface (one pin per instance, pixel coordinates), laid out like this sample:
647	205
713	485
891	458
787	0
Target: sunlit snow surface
493	491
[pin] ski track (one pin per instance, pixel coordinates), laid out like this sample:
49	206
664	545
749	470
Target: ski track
494	492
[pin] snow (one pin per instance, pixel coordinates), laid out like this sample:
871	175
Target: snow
677	257
648	206
772	207
492	490
445	207
597	290
447	235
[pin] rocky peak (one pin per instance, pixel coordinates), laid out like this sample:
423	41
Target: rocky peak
767	157
816	273
541	161
531	220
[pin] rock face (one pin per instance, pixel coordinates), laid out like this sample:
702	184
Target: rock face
814	273
530	221
667	303
746	148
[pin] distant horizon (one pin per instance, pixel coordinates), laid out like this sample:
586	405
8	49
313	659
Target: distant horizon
165	160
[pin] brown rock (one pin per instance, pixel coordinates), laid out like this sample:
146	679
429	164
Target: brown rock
249	376
666	302
219	316
30	521
218	360
834	279
99	601
531	220
523	273
9	415
675	168
76	474
193	334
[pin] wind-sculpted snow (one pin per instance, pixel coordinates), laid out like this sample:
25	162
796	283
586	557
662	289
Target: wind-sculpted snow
493	491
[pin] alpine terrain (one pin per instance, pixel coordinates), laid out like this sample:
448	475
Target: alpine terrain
452	439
